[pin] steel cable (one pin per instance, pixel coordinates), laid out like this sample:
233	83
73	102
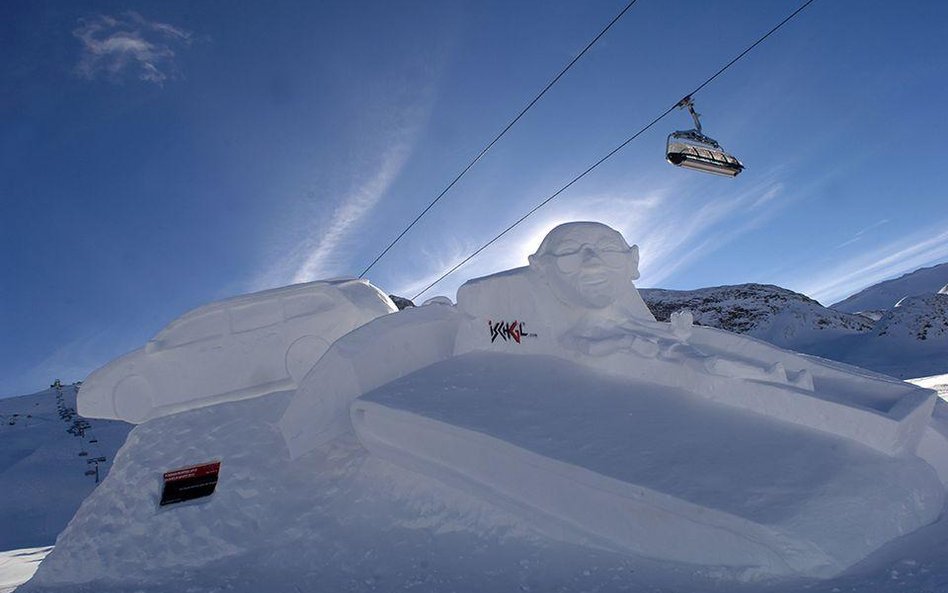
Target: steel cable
614	150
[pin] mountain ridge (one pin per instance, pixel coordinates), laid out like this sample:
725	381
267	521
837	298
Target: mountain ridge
907	340
884	295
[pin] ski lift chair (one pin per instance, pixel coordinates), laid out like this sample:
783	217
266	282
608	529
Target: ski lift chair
693	150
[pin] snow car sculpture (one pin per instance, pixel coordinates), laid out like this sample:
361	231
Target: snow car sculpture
551	391
231	349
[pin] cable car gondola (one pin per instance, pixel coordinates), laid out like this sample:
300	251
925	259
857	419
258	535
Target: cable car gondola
693	150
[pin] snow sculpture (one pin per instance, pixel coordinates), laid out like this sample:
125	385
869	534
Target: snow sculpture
588	265
643	468
666	440
578	276
576	300
517	432
438	300
625	433
575	295
231	349
374	354
579	268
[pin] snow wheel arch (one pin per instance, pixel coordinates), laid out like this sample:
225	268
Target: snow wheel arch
133	398
303	354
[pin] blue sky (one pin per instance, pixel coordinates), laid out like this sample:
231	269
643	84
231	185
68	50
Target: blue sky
156	156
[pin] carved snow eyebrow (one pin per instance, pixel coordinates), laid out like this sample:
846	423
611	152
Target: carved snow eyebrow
612	244
566	247
570	247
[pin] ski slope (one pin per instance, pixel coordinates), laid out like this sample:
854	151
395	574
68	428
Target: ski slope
42	466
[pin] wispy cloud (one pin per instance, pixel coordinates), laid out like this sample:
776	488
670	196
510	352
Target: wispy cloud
669	229
862	233
511	251
674	242
320	255
323	241
115	47
885	261
436	263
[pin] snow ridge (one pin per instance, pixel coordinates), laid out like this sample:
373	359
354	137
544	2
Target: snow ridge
907	340
785	318
919	317
885	295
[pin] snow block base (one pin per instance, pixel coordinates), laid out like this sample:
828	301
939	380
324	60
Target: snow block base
647	469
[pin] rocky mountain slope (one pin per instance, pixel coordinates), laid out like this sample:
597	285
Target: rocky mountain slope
907	340
777	315
916	318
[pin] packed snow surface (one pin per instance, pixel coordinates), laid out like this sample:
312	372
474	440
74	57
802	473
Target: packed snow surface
651	469
937	382
341	519
337	519
232	349
17	566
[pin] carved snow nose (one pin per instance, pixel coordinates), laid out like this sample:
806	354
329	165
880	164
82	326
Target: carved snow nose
589	254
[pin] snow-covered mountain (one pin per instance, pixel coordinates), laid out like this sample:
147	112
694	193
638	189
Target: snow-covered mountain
45	451
917	318
885	295
777	315
907	340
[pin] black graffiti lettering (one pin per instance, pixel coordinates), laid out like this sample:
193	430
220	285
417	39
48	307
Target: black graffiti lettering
504	330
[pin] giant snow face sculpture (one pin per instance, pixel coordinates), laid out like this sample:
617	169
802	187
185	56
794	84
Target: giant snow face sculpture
586	264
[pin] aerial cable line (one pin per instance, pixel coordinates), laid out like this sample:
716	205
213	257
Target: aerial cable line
614	150
498	137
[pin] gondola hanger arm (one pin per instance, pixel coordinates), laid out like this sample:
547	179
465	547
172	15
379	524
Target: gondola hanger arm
690	104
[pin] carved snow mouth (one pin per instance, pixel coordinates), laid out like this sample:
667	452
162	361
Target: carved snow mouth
593	281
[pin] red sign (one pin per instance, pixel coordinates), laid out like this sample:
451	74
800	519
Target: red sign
193	471
188	483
